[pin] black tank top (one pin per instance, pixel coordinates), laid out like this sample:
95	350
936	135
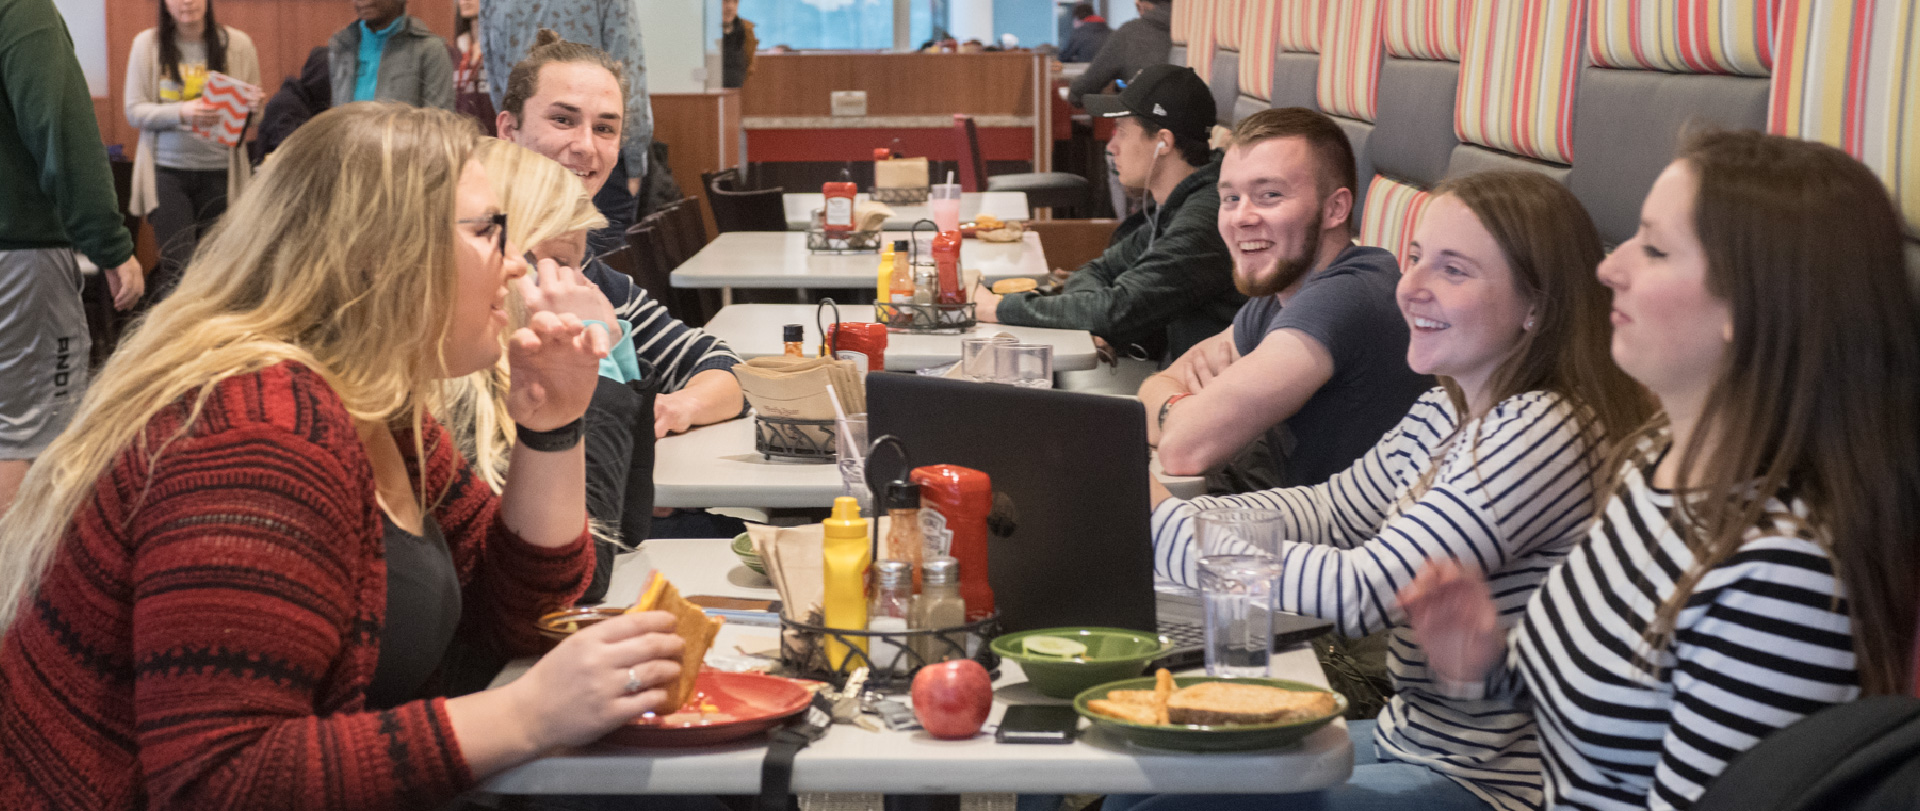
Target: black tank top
423	608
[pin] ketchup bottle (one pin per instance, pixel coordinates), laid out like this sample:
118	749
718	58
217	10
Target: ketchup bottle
946	264
963	497
839	209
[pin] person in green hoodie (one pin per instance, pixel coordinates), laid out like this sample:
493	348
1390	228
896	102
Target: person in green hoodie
56	197
1166	280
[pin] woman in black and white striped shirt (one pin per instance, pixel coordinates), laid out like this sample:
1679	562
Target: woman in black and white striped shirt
1756	561
1494	469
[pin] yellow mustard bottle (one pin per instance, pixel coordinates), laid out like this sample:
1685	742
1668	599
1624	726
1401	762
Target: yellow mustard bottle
848	554
882	287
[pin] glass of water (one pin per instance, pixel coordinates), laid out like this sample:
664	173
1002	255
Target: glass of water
1025	365
1240	587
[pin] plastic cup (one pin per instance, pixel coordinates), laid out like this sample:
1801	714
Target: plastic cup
943	200
1239	587
1025	365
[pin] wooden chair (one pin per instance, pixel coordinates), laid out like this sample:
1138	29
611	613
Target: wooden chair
735	209
1044	189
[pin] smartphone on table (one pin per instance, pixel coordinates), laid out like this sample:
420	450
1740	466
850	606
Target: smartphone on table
1038	723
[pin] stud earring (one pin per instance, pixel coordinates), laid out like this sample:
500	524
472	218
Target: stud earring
1529	324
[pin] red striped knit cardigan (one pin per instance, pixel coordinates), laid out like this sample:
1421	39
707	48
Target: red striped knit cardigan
212	648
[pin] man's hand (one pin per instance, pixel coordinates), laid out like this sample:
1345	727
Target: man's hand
127	283
986	305
1207	360
673	413
1059	276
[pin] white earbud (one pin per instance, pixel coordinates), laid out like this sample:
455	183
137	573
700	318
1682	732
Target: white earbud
1159	148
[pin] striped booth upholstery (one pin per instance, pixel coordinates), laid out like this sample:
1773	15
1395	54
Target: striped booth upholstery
1655	68
1256	58
1848	74
1192	35
1413	138
1519	64
1349	71
1392	209
1229	40
1292	34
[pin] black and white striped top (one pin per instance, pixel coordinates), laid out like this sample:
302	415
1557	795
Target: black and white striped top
1761	643
1510	499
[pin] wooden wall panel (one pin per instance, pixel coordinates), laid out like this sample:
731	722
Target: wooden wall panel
702	134
896	84
283	31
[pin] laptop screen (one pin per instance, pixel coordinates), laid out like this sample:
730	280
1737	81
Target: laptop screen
1069	470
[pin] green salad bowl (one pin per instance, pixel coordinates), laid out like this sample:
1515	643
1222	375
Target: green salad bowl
1061	662
743	547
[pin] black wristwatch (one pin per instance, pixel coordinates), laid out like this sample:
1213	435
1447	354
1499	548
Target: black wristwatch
563	438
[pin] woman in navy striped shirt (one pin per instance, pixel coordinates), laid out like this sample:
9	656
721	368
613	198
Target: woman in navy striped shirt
1494	468
1756	560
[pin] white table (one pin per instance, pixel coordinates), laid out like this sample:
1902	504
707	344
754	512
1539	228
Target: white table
753	331
1003	205
850	759
716	466
780	260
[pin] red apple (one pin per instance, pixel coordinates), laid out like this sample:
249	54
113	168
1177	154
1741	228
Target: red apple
952	698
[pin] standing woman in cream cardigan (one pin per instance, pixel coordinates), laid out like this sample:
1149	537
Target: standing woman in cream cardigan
181	181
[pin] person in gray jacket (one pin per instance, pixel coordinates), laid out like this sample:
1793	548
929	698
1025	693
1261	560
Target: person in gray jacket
389	55
1167	278
1141	43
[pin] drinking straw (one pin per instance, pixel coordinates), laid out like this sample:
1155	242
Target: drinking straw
839	414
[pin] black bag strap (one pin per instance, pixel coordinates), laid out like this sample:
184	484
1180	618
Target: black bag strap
776	771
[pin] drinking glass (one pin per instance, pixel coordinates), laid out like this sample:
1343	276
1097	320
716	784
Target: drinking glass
850	446
1240	587
1025	365
977	358
944	201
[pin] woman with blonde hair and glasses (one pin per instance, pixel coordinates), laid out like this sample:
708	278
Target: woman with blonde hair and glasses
1755	560
550	211
229	584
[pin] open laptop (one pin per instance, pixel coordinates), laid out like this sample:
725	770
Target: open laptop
1071	471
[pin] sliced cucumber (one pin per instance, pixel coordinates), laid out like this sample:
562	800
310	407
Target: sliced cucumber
1052	646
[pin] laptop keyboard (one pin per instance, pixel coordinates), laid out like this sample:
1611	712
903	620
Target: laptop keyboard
1183	634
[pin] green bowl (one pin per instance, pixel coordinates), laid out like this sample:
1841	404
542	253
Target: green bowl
1197	738
1112	653
743	546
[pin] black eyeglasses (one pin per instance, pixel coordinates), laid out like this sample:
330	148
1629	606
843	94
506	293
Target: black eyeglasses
499	221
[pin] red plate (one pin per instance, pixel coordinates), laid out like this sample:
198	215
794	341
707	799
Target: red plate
744	704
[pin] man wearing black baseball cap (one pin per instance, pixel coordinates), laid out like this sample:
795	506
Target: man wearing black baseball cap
1166	280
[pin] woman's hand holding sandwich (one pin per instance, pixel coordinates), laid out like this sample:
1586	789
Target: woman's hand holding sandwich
576	693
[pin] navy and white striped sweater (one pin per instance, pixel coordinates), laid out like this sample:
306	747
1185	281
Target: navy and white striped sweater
1763	641
1511	497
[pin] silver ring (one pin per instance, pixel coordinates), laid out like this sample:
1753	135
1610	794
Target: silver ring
633	682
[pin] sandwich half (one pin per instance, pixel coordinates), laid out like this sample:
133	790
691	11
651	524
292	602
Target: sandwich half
691	624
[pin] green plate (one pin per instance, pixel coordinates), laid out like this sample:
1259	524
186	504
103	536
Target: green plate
743	547
1196	738
1112	653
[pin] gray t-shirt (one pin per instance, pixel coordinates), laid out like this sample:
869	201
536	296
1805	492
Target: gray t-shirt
179	148
1349	308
